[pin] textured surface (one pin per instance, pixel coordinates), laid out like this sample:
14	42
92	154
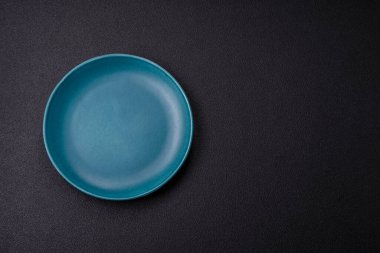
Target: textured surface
286	102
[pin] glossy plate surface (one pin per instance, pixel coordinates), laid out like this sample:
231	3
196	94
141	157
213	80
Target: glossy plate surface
117	127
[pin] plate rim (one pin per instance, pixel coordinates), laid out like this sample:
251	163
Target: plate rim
149	191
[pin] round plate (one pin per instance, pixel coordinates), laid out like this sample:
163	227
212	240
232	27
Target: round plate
117	127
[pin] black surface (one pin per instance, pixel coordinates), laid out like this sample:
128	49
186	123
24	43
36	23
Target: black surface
286	102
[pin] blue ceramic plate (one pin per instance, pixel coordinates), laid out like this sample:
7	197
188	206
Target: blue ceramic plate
117	127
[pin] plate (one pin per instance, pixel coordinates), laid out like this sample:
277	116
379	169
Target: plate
117	127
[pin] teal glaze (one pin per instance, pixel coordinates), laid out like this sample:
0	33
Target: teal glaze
117	127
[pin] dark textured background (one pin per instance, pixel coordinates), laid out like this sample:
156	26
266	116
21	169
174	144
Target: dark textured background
286	102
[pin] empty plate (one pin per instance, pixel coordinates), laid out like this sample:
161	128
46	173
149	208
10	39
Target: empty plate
117	127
